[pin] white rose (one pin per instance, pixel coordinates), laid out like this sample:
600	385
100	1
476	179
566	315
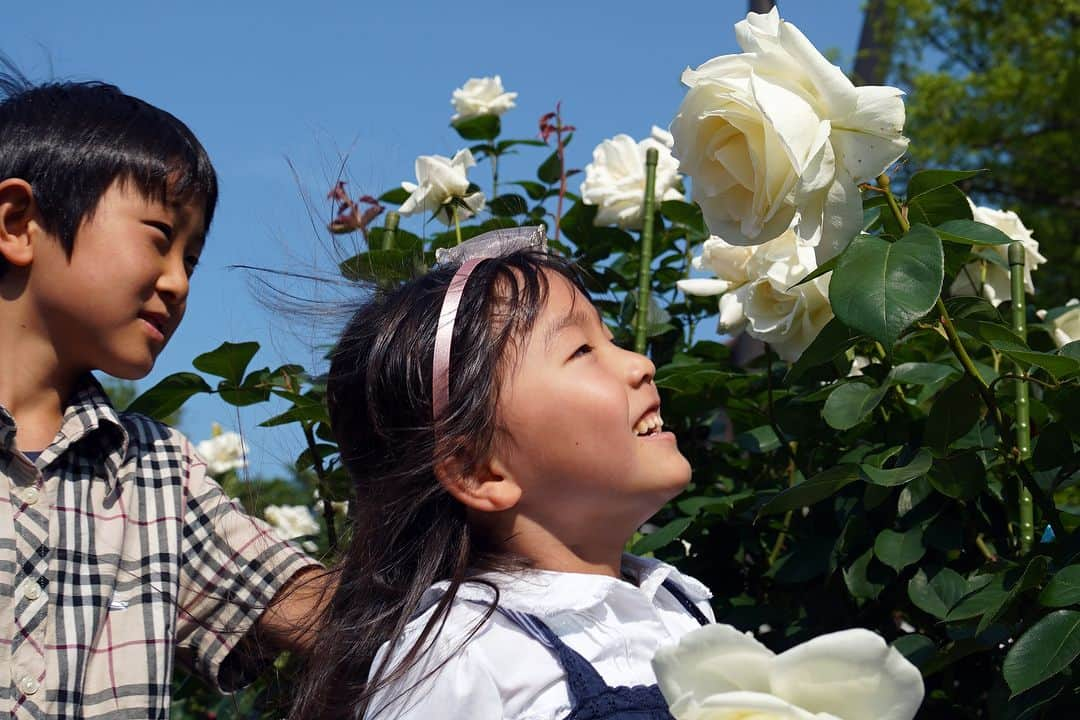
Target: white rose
439	180
718	673
1065	326
758	296
292	521
223	452
615	179
481	96
778	135
989	277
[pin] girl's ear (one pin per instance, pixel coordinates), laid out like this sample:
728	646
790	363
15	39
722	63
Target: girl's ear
17	221
488	488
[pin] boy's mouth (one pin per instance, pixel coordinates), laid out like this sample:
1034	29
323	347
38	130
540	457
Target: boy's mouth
157	320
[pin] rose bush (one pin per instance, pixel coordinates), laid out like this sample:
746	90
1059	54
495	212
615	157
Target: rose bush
930	497
778	135
615	179
719	673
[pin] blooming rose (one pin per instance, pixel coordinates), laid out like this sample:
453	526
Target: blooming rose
481	96
1065	324
292	521
987	278
756	283
718	673
224	451
615	179
442	179
777	135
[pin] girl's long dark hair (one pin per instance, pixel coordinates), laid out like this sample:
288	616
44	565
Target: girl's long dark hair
408	532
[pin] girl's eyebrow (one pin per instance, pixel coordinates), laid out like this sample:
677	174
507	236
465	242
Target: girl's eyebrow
575	318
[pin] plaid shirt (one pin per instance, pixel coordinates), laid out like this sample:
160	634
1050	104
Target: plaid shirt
116	549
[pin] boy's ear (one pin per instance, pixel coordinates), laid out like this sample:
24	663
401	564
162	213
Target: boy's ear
18	213
490	487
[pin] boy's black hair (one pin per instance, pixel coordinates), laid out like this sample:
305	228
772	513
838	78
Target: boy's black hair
72	140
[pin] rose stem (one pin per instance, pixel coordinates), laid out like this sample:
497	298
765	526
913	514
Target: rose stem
1023	424
645	273
390	230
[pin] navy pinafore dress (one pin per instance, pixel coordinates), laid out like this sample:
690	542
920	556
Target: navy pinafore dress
591	698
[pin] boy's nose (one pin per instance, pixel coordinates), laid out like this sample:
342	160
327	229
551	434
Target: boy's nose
173	283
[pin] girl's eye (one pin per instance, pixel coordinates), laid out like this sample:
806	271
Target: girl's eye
582	351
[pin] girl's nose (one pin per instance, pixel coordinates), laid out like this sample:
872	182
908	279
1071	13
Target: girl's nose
640	369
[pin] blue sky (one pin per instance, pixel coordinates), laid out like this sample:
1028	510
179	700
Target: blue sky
268	83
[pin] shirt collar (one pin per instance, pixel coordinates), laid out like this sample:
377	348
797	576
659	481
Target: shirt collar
87	410
547	592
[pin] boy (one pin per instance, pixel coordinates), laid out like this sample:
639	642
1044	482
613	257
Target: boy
115	546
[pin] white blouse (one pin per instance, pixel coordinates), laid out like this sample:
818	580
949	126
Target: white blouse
502	672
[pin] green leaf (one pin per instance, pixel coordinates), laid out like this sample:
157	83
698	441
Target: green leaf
300	413
970	232
953	414
918	649
961	476
851	403
1049	647
984	593
921	373
938	206
761	439
1059	366
169	395
481	127
534	190
939	594
898	550
918	467
821	486
864	579
880	287
397	196
508	205
1054	447
833	339
975	308
550	170
228	360
1031	577
686	214
667	534
1063	588
379	265
928	180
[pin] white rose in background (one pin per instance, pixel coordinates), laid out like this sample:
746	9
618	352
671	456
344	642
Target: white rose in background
987	278
438	181
778	135
758	296
718	673
1064	323
481	96
224	451
292	521
615	179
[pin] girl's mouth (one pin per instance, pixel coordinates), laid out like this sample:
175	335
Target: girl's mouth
650	424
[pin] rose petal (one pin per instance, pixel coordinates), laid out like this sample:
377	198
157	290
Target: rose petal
711	659
852	674
741	706
703	286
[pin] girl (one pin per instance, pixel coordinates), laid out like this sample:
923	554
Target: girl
504	450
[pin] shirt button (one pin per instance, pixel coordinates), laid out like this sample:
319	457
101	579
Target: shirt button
28	685
31	590
30	496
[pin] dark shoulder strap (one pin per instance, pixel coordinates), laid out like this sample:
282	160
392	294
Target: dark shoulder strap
678	594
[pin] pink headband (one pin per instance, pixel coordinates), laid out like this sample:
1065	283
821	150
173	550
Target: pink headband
470	254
